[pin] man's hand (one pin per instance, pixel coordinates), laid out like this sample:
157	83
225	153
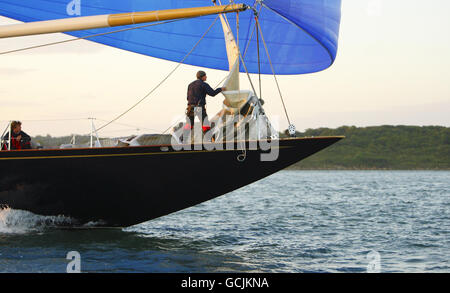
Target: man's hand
19	137
224	89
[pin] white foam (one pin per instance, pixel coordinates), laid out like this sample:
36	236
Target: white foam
19	222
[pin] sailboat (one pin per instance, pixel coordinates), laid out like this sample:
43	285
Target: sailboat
123	182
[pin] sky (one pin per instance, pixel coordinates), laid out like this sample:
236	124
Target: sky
392	68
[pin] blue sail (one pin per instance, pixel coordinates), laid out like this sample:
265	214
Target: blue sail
301	35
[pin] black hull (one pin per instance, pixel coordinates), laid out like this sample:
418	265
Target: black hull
126	186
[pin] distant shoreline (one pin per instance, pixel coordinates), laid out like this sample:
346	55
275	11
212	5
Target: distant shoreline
296	168
384	147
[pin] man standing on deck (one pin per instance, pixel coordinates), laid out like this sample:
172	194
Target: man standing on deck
19	139
196	96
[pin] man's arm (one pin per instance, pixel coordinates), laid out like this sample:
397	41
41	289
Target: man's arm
210	91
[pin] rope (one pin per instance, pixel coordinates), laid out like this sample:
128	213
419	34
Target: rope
160	83
246	71
273	71
237	29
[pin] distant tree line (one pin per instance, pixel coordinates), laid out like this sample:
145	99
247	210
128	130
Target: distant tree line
375	147
382	147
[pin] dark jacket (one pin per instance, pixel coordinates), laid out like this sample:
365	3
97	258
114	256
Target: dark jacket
24	143
197	92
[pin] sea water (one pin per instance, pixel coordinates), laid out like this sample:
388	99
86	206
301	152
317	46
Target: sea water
292	221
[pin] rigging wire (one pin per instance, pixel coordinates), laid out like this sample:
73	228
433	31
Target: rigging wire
164	79
273	71
79	119
246	71
131	127
49	120
128	125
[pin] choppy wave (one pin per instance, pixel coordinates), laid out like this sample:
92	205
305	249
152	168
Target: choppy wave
18	221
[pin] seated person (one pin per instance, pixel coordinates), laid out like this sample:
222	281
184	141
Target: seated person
19	139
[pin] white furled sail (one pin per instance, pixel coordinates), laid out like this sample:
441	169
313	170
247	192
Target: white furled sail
232	82
234	98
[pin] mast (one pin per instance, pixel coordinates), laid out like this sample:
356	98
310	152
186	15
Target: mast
111	20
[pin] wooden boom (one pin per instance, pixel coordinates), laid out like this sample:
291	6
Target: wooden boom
111	20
